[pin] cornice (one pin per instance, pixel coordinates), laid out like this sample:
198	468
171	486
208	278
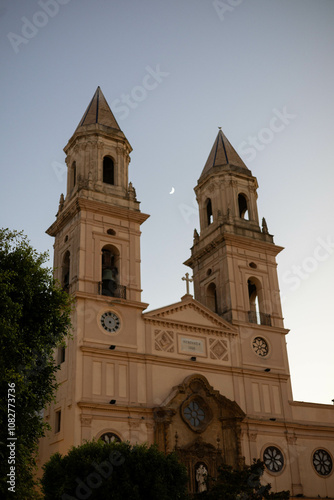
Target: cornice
289	426
112	301
237	241
119	408
97	207
186	327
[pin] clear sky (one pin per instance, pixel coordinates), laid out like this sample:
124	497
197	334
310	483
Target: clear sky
262	70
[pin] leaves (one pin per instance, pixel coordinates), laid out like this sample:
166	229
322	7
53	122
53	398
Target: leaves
244	484
34	319
115	470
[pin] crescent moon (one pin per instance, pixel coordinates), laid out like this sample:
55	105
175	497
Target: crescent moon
172	191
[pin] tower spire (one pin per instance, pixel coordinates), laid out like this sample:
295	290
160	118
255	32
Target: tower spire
223	156
98	111
232	258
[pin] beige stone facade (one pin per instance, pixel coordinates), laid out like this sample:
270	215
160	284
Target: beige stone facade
207	376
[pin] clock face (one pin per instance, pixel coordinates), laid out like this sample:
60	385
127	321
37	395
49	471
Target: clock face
110	322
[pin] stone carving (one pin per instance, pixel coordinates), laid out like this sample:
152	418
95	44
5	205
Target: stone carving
196	236
132	192
164	341
229	216
61	203
219	349
264	226
90	180
86	420
252	436
201	475
291	439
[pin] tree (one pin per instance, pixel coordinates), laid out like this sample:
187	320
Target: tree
34	319
244	484
116	471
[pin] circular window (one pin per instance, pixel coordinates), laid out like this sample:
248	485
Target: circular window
194	413
260	346
322	462
110	437
273	459
253	265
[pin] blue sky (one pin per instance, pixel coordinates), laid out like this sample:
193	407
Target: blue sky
262	70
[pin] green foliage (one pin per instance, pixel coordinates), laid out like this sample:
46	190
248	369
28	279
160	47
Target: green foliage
34	319
117	471
244	484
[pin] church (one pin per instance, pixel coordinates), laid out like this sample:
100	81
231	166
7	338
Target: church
207	376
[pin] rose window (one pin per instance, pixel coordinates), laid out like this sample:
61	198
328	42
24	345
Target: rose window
322	462
194	414
273	459
260	346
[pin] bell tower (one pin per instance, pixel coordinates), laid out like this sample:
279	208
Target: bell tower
97	260
97	227
233	258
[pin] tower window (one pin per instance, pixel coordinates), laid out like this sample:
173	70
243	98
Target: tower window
253	302
61	354
243	208
257	312
108	170
110	271
209	215
211	297
66	272
58	421
73	174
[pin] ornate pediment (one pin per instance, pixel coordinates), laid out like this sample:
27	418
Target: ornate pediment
191	314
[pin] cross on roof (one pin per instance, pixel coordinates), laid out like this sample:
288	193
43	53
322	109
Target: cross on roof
188	280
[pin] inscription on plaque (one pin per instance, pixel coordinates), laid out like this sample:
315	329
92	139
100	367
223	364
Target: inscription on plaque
192	345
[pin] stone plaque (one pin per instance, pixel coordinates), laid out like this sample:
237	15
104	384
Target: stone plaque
192	345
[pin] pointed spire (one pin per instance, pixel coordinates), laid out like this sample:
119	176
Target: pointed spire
98	111
223	154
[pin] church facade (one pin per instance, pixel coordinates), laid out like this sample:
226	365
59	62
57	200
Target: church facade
206	376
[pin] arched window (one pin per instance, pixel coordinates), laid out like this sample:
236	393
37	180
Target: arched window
211	297
257	312
253	302
243	208
108	170
66	272
74	173
209	215
110	437
110	271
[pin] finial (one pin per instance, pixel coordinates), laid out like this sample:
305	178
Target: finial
264	226
219	128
